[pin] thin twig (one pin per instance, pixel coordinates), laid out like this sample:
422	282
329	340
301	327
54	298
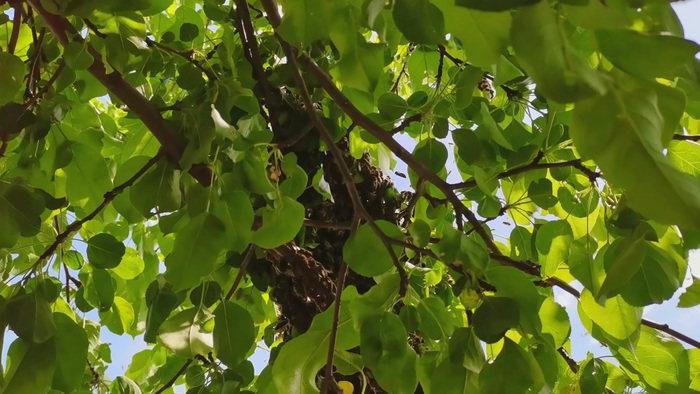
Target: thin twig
683	137
577	163
573	365
395	87
108	198
187	55
172	380
333	336
241	271
406	122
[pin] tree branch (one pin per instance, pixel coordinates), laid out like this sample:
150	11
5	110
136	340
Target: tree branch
577	163
117	85
683	137
241	271
328	382
172	380
16	25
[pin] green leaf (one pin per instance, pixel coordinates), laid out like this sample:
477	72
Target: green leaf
161	300
391	106
540	191
236	212
77	56
296	180
87	177
514	284
120	317
511	372
626	255
105	251
30	367
202	240
71	353
553	242
555	323
12	72
629	50
124	385
660	361
545	53
366	254
484	35
494	5
691	296
29	316
131	265
494	317
593	376
436	323
432	153
280	224
622	132
188	332
159	188
306	21
20	210
360	64
617	318
685	156
234	333
188	31
419	21
656	280
100	289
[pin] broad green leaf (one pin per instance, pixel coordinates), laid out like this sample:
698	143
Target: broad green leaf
691	296
234	333
420	21
131	265
30	367
685	156
188	332
280	224
514	284
623	259
617	318
77	56
360	64
622	132
656	280
207	294
71	353
432	153
201	240
545	52
593	376
29	316
540	192
494	317
120	317
161	300
20	210
237	214
555	323
307	21
391	106
435	320
12	71
124	385
660	361
105	251
159	188
484	35
87	177
366	254
553	242
629	50
511	372
100	289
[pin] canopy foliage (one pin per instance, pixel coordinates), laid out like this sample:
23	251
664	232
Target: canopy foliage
213	174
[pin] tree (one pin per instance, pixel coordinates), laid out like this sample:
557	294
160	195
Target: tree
212	174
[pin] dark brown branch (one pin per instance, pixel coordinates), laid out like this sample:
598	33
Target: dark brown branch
108	198
573	365
406	122
683	137
328	382
577	163
241	271
16	25
251	51
172	380
441	63
117	85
